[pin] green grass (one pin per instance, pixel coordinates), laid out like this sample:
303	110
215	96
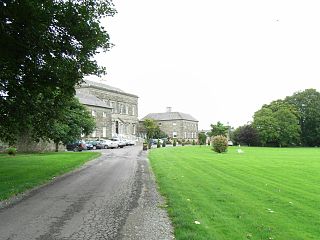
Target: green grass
25	171
264	193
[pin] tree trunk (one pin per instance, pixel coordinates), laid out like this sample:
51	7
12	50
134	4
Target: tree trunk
57	146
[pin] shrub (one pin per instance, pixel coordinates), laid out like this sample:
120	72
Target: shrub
164	143
12	151
219	144
174	142
193	142
209	143
158	144
182	142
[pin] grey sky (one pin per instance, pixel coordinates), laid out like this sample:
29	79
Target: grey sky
216	60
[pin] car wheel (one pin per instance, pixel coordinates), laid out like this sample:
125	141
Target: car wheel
105	147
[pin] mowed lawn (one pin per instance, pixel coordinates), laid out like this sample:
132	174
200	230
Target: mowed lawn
264	193
25	171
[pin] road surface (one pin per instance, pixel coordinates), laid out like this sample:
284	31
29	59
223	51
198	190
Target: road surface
112	197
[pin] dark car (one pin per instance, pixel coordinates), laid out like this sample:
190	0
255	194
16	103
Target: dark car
95	144
76	146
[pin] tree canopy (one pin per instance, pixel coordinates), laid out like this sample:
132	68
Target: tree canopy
307	103
46	48
218	129
277	124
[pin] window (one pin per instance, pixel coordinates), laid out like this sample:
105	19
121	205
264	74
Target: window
185	134
134	129
104	114
133	110
127	109
104	132
93	113
192	135
94	133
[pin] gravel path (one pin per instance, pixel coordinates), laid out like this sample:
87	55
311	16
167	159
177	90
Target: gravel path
112	197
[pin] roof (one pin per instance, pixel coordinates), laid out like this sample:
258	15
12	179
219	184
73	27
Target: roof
91	100
103	86
166	116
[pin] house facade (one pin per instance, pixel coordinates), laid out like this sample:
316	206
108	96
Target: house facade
175	124
123	113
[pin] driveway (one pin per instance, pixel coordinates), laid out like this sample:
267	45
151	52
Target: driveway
112	197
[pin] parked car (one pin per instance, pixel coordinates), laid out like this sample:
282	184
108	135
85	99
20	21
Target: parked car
89	146
120	142
109	144
130	142
230	143
95	144
76	146
155	141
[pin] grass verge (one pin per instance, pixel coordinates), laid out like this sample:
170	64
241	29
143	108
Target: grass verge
264	193
25	171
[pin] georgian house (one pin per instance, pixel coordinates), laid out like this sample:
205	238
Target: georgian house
123	109
175	124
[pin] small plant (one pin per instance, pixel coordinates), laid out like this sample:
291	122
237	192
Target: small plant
193	142
182	142
164	143
219	144
12	151
145	146
158	143
209	143
174	143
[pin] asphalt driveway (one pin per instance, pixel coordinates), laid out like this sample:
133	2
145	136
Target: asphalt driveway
112	197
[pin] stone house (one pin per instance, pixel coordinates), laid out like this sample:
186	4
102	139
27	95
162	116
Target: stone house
123	109
175	124
100	111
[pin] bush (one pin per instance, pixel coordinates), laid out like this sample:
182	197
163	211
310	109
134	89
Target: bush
219	144
164	143
158	144
182	142
12	151
174	142
209	143
193	142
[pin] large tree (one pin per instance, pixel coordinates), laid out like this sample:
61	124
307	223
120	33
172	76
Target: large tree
277	123
46	48
308	104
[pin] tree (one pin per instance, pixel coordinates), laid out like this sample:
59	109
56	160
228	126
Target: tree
46	48
247	135
75	121
202	138
307	103
151	128
218	129
277	123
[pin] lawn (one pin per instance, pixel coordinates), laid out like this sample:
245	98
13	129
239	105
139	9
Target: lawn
263	193
25	171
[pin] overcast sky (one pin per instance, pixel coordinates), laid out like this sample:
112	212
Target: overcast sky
216	60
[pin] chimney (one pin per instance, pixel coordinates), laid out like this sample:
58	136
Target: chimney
168	109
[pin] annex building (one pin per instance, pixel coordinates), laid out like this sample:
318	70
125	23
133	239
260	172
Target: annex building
175	124
115	111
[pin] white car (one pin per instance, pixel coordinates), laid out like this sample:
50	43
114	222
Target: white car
109	144
120	142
